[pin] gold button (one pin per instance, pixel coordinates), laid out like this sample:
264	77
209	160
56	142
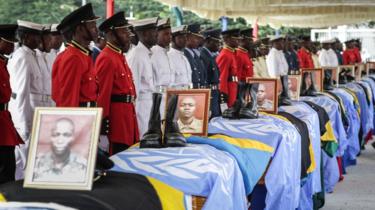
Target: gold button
90	78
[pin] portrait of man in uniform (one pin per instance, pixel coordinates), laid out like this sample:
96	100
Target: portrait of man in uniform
61	163
266	94
192	110
63	148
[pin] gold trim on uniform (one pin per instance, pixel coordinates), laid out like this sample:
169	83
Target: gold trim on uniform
80	47
243	49
229	48
114	48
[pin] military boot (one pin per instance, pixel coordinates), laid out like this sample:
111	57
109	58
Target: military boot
172	134
250	111
284	99
233	112
153	137
327	83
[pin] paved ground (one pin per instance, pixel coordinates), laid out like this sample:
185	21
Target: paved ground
357	191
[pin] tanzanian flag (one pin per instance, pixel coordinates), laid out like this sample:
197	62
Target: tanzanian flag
252	156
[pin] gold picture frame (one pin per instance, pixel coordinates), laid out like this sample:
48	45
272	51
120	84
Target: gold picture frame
63	148
190	109
370	65
360	67
269	99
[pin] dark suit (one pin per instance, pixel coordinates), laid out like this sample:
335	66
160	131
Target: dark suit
199	75
213	75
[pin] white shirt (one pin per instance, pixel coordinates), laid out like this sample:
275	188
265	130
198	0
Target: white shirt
140	64
45	71
260	67
162	72
51	57
276	63
328	58
25	79
139	60
181	67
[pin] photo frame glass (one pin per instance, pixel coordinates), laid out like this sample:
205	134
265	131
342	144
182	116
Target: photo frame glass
192	110
317	75
294	86
63	148
267	95
332	72
370	68
345	73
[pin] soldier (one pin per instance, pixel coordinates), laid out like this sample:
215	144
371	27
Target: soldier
244	62
304	55
291	56
163	74
350	56
25	78
227	63
61	164
328	57
178	60
73	77
141	66
116	88
337	48
193	41
260	64
9	135
56	40
207	54
41	54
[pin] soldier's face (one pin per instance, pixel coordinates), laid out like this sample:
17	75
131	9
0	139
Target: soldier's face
187	107
6	47
124	36
164	37
92	30
261	94
62	135
180	41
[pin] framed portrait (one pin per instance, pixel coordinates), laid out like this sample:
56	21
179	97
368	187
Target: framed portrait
294	86
348	70
333	73
359	70
63	148
317	75
192	112
267	96
370	67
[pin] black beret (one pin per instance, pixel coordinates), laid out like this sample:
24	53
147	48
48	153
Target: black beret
247	33
78	16
212	33
118	20
231	32
8	32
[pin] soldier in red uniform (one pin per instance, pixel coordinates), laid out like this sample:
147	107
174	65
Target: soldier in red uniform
244	62
227	63
304	54
351	54
9	135
116	87
73	77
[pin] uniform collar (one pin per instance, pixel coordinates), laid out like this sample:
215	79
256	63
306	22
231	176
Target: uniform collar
27	49
142	46
209	51
229	48
242	49
114	48
80	47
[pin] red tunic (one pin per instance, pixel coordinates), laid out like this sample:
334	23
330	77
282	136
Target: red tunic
351	56
9	135
357	55
73	77
115	78
244	64
305	59
226	61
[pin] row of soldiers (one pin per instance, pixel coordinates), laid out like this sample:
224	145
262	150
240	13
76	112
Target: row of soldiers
158	57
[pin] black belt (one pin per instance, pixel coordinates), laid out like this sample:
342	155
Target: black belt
4	107
233	79
123	98
88	104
